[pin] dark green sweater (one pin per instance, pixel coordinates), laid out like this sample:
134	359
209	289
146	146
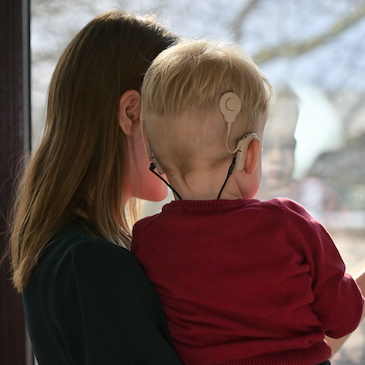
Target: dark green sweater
89	302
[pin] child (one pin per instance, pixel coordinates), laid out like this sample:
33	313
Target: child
242	281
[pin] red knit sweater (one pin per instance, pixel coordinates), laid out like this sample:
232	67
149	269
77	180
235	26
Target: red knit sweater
247	282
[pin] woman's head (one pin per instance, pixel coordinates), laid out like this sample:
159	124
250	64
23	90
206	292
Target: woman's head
80	166
107	58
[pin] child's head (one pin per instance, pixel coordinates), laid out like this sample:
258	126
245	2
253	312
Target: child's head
180	104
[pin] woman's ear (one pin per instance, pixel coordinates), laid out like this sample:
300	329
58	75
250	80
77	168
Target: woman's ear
129	110
253	155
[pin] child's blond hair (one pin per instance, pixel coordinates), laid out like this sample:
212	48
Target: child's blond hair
180	97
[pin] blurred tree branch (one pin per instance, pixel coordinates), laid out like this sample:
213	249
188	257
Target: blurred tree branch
294	49
237	23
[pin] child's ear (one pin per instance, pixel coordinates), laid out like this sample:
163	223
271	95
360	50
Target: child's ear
253	155
129	110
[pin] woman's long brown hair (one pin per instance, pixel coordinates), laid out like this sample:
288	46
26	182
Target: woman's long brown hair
80	165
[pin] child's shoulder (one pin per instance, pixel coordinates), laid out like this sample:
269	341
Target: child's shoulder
141	224
286	206
283	203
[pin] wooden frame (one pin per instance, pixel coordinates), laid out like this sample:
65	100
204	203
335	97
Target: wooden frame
14	142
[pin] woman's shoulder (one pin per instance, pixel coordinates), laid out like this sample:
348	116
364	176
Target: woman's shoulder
76	237
76	259
75	251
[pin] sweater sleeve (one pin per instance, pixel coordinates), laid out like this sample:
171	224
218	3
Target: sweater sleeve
122	317
338	301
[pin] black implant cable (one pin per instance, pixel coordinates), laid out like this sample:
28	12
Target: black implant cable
230	170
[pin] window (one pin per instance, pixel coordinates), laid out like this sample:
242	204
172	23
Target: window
313	53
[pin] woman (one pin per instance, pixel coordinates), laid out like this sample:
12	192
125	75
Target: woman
86	299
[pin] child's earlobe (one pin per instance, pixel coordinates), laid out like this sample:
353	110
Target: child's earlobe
253	155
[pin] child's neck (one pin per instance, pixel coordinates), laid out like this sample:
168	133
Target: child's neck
205	185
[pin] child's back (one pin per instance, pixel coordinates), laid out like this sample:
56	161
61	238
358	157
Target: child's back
247	281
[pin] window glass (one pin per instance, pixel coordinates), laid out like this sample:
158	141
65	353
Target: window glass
313	53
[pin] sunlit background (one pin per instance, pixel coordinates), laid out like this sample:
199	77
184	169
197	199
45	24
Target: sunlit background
313	52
